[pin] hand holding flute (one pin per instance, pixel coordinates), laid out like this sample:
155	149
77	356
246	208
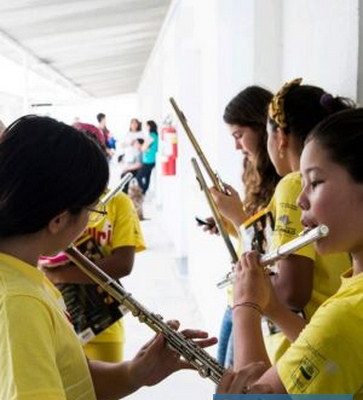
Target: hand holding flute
284	250
214	177
251	283
230	205
215	211
193	356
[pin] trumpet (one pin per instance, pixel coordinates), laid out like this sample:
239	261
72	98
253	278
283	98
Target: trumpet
305	238
215	211
213	175
205	364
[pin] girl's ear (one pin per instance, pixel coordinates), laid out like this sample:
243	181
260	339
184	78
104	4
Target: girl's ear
282	140
59	223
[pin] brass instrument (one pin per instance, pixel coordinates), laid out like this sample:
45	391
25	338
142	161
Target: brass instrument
206	365
216	214
213	175
282	251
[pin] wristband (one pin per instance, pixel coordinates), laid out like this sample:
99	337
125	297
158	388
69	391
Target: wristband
250	304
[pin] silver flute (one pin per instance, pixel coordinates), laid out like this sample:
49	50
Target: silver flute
217	182
108	196
216	214
205	364
282	251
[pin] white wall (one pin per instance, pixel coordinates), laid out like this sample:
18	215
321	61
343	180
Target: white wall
320	40
207	52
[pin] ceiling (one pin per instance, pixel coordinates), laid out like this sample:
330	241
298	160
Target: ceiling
101	46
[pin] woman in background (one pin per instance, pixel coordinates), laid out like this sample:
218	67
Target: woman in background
135	132
149	150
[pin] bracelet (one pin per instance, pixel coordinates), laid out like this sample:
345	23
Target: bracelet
250	304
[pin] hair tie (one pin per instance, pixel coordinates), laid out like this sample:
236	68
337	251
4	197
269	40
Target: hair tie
327	101
276	108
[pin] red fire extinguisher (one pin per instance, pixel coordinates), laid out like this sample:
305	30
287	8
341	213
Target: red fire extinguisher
169	149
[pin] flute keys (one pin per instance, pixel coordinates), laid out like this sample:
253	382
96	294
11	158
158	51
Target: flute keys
204	372
142	318
135	312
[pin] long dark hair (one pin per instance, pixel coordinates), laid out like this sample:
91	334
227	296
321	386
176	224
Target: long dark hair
47	167
249	108
152	126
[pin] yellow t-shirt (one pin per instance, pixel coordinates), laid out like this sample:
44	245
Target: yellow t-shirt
119	228
327	268
327	357
41	357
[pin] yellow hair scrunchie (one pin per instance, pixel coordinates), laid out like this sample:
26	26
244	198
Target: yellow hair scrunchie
276	107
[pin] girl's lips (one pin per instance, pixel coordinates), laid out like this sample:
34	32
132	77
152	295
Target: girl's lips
308	224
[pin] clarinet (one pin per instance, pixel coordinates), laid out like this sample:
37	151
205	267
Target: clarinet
205	364
284	250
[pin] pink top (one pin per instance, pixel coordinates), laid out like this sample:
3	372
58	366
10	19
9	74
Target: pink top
81	126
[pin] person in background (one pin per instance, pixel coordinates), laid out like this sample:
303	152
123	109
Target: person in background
135	132
132	188
92	130
132	157
149	150
110	141
134	160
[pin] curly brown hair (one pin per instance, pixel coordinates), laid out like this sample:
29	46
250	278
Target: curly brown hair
249	108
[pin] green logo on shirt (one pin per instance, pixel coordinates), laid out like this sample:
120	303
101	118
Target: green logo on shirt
304	374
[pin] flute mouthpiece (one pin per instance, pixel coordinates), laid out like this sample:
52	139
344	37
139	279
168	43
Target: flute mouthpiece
322	230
